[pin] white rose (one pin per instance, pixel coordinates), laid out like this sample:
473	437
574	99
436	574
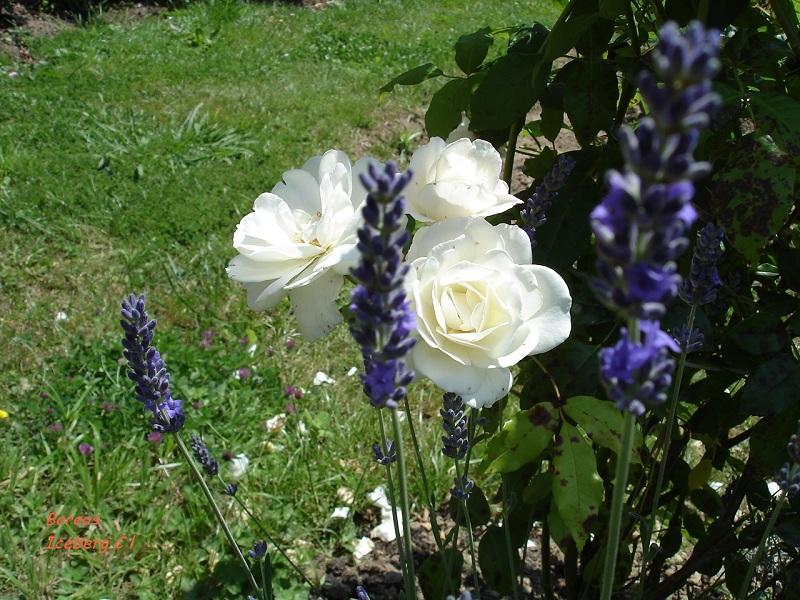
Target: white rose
461	131
481	306
459	179
301	239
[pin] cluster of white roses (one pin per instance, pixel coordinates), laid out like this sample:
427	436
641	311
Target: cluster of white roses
480	305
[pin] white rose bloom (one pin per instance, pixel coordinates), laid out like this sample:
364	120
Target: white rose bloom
459	179
301	239
461	131
481	306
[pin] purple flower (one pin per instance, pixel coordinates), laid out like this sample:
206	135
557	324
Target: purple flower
533	215
196	405
293	392
208	338
641	223
203	456
361	593
258	551
462	488
55	427
385	456
243	373
290	344
688	340
230	489
789	474
456	441
155	437
637	374
147	369
290	408
108	407
701	286
85	449
382	319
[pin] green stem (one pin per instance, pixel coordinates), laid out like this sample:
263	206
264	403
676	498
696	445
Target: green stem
547	582
511	148
509	546
650	524
401	554
411	586
272	541
470	537
428	495
773	518
217	513
615	522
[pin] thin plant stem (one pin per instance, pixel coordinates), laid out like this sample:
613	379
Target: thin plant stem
401	554
217	513
508	166
471	540
547	582
509	546
751	567
615	521
650	524
425	486
411	586
272	541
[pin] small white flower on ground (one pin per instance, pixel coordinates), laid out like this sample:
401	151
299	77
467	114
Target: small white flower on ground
459	179
252	350
481	306
352	371
363	547
270	447
345	495
301	428
321	378
276	423
61	316
238	466
340	512
300	239
13	74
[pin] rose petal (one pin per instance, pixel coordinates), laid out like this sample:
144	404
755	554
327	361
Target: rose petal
315	305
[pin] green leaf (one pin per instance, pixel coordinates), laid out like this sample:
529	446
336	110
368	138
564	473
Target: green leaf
447	104
773	387
752	193
552	121
602	422
435	569
590	97
612	8
493	560
413	76
768	442
521	440
761	333
577	488
507	92
479	511
735	570
780	116
471	49
567	33
540	165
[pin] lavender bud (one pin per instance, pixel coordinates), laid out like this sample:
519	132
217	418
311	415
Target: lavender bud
533	215
258	551
703	282
203	456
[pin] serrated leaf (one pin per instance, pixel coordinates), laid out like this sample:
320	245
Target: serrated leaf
447	104
577	487
773	387
602	422
471	49
521	440
752	193
413	76
590	97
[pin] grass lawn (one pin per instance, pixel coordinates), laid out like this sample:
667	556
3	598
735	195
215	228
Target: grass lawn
128	154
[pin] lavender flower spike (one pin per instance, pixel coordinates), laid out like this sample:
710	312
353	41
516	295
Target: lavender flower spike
456	441
203	456
146	367
382	318
533	215
703	282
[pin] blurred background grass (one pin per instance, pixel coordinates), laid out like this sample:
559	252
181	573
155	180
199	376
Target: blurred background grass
128	154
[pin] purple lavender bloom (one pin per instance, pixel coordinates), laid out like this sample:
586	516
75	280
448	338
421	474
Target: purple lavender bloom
361	593
534	214
258	551
638	374
701	286
688	340
385	456
146	367
382	319
641	224
230	489
208	339
789	474
154	437
462	488
86	449
203	456
56	427
456	441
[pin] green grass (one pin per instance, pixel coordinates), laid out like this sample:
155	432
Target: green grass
128	153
